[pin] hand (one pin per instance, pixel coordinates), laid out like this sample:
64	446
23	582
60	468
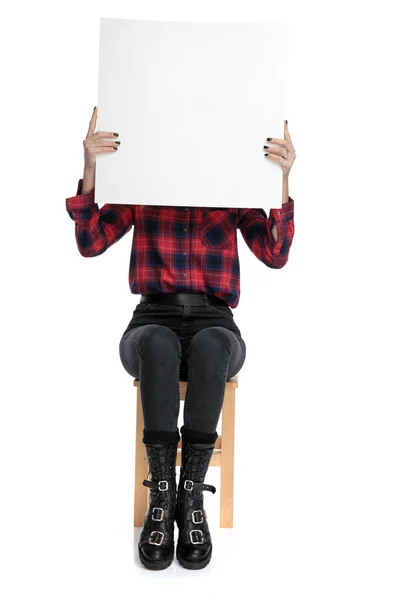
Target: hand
95	142
286	149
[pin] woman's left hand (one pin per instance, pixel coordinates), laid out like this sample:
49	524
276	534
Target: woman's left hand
285	155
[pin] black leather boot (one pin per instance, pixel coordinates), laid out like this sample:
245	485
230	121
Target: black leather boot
156	543
194	546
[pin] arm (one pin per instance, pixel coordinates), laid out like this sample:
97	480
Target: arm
285	199
257	231
97	229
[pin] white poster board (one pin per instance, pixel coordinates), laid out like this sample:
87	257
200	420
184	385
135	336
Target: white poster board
193	104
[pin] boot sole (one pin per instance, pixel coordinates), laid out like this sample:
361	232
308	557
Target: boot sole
156	566
192	565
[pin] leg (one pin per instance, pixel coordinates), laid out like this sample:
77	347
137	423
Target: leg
215	354
152	353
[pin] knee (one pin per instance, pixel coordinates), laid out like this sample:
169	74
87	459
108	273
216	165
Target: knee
159	340
211	341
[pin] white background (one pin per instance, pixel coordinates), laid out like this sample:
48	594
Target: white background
187	92
317	435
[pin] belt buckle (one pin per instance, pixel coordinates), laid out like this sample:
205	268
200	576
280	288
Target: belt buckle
186	488
160	489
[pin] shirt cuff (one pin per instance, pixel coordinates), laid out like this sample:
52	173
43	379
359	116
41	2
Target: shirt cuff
286	211
80	200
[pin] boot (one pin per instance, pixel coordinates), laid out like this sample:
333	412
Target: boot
194	546
156	543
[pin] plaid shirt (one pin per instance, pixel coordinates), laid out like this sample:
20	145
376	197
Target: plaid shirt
183	249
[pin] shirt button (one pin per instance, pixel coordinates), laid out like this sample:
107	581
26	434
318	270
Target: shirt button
185	274
185	253
186	209
278	212
69	203
184	229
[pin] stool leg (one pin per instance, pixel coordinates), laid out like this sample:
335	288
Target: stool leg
141	468
227	459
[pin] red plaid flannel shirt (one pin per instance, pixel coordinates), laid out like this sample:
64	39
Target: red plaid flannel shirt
183	249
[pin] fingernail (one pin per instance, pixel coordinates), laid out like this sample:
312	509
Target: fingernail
269	139
117	142
266	154
116	134
266	146
94	108
286	121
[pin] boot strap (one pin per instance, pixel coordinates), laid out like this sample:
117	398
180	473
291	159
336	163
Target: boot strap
162	485
158	514
196	516
190	485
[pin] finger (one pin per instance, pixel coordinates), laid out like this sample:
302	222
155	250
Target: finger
276	158
288	138
93	143
101	149
286	133
92	123
103	134
277	151
279	142
106	149
103	144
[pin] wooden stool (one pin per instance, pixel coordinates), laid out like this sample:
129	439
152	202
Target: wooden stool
223	455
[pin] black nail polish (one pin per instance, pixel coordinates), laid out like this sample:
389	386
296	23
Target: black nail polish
269	139
286	121
117	142
266	154
116	134
115	147
266	146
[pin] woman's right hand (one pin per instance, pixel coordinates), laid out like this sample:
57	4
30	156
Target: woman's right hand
96	142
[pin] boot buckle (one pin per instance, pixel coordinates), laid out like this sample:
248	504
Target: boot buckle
200	520
159	538
189	489
161	489
197	534
159	514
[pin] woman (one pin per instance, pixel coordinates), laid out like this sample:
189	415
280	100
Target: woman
184	262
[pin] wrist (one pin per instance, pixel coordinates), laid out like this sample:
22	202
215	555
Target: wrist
88	183
285	189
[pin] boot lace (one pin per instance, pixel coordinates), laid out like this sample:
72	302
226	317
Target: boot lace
198	461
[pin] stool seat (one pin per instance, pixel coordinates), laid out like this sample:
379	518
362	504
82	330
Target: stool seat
223	454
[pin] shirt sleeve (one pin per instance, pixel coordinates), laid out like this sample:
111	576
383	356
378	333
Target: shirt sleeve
97	229
256	229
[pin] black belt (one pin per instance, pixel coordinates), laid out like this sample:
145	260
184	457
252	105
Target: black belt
195	299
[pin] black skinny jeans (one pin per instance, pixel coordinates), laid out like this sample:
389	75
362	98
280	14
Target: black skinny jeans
164	343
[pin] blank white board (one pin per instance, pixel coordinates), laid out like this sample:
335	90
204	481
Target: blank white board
193	104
